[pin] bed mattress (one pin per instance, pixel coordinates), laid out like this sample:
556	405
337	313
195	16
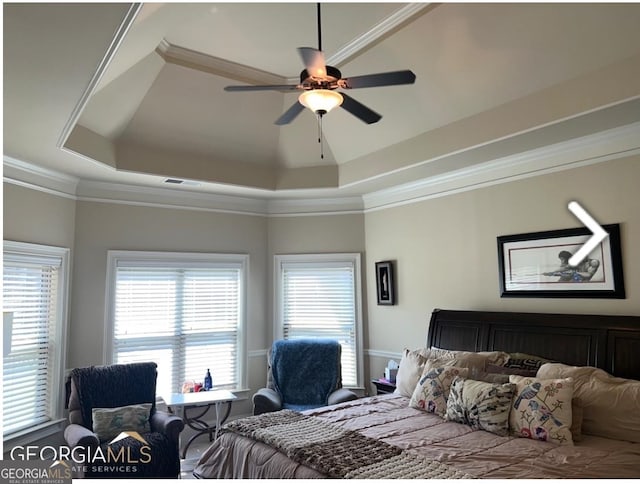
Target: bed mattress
474	453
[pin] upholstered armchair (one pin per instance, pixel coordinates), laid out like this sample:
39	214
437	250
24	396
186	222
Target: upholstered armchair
104	402
302	374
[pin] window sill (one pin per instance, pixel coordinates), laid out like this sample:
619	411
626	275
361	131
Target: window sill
33	434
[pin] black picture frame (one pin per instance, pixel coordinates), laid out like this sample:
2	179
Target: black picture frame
385	283
526	265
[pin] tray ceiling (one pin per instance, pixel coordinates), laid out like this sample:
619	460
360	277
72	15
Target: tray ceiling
130	93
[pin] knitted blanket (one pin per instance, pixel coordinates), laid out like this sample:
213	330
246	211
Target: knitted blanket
337	452
305	371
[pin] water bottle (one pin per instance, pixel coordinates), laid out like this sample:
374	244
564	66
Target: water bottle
208	381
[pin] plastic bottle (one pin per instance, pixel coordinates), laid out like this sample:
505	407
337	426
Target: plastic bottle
208	381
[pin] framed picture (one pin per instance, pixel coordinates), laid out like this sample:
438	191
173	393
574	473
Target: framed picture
385	283
537	265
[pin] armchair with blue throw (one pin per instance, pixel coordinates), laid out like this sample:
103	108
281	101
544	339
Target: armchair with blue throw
107	403
302	374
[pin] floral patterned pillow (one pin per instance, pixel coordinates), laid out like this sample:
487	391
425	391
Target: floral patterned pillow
542	409
432	390
481	405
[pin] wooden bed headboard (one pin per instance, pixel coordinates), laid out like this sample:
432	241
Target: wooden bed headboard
608	342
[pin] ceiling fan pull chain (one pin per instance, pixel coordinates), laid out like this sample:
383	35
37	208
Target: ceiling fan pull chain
320	136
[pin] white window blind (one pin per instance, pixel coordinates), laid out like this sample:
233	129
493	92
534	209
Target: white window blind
33	291
319	298
185	316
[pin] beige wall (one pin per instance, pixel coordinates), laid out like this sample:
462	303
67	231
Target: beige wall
38	218
446	253
101	227
444	248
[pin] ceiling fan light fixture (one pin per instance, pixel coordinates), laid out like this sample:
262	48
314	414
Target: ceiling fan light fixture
320	101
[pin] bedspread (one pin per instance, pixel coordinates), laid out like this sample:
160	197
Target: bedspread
337	452
388	419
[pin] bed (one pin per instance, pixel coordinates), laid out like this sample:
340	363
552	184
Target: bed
385	437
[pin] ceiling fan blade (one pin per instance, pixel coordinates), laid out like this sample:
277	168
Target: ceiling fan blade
290	114
382	79
359	110
274	87
313	61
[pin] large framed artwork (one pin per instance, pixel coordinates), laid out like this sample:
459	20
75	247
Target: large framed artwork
385	284
537	265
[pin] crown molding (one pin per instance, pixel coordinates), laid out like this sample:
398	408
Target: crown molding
175	54
119	36
315	206
377	32
597	148
161	197
35	177
587	150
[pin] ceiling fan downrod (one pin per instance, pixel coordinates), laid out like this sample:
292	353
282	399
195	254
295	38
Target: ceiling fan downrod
319	29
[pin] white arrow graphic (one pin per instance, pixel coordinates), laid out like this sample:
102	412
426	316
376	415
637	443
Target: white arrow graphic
599	234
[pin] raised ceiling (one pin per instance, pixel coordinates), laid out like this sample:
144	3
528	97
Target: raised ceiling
133	94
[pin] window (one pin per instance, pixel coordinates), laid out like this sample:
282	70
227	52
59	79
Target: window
185	312
35	295
319	296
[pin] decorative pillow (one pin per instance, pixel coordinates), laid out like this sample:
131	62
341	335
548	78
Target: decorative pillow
491	357
109	422
610	405
482	405
432	390
409	372
492	377
525	361
542	409
475	362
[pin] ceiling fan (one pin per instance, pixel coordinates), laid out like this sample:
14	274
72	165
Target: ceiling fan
319	83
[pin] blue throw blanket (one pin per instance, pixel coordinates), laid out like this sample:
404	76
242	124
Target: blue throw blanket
305	371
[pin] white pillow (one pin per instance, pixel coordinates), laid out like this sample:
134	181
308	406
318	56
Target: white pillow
409	371
610	405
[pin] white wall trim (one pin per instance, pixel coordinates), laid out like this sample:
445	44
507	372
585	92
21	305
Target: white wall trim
387	355
104	192
604	146
35	177
257	353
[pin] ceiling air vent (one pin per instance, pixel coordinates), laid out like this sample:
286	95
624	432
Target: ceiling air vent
177	181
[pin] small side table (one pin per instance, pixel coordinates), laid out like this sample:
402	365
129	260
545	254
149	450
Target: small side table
203	401
383	386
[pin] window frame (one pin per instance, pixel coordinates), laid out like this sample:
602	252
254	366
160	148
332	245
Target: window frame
183	259
58	372
353	258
